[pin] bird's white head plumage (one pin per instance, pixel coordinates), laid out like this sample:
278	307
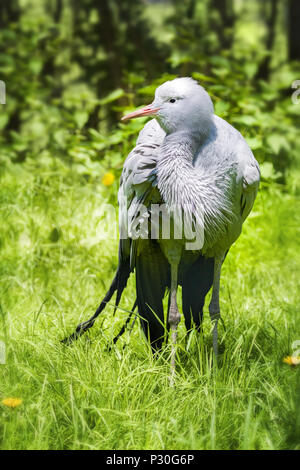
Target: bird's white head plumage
183	105
180	105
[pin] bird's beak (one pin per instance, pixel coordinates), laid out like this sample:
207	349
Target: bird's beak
146	111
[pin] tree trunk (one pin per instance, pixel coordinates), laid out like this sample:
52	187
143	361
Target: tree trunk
294	29
264	69
224	26
58	11
9	12
138	32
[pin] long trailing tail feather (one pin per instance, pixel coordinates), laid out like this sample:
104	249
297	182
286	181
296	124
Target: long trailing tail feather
118	284
123	275
123	329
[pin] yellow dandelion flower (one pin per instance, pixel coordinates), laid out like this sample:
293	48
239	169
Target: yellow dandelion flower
108	179
292	360
12	402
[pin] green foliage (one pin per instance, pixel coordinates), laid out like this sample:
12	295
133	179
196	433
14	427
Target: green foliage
63	100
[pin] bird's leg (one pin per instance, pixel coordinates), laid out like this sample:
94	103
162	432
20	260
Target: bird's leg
214	306
173	318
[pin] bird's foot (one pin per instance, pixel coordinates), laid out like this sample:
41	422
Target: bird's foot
80	330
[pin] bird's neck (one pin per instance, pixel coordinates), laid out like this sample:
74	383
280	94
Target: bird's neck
182	143
177	179
194	190
175	165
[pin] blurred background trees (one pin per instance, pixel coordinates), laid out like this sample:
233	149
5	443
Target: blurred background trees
72	67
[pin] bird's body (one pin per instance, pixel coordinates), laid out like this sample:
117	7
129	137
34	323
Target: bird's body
204	174
221	174
218	173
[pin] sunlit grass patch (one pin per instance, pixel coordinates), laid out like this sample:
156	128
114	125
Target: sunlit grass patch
84	396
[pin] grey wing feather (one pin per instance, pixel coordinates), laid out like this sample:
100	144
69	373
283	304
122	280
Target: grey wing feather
251	177
137	187
231	143
250	184
137	181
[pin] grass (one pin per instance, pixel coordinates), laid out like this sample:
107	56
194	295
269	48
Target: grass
52	274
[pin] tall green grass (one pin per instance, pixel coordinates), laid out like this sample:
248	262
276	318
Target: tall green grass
52	275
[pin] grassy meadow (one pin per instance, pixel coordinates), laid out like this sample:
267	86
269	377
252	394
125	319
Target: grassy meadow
54	272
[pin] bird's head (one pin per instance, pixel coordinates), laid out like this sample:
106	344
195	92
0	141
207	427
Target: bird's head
180	104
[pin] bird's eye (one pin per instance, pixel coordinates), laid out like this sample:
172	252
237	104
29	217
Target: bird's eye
172	100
